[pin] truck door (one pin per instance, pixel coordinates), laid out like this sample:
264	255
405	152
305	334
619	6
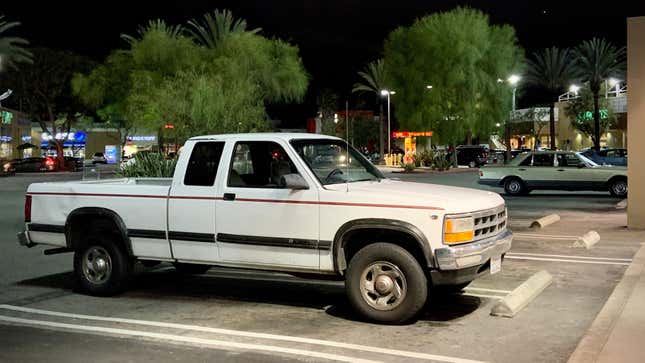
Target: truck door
191	204
259	221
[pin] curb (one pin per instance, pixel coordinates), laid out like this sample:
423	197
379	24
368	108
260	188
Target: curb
545	221
587	240
595	339
519	298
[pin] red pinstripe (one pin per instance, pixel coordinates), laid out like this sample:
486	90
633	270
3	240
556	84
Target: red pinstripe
312	202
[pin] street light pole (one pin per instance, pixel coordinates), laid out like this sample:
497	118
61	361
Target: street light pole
513	81
387	93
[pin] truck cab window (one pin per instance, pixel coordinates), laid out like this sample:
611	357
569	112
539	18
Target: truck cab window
259	164
203	163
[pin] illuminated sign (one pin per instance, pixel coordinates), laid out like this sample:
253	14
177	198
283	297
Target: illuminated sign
111	154
142	138
404	134
25	138
6	117
6	138
169	126
588	115
79	136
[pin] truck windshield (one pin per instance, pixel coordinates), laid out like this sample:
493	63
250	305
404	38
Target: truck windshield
328	161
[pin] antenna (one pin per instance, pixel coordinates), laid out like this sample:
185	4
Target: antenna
347	143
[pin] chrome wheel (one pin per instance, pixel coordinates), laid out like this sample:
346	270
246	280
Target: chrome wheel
619	188
97	265
383	285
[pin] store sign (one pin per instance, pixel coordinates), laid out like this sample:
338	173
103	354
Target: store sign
25	138
142	138
111	154
588	115
6	138
78	136
404	134
7	117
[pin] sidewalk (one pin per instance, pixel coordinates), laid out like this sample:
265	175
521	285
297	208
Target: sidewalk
618	332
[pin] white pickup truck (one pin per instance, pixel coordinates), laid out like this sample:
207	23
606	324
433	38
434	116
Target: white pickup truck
296	203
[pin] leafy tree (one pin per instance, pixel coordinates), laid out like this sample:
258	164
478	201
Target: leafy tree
214	28
579	111
596	61
166	78
12	49
43	89
373	81
553	70
462	56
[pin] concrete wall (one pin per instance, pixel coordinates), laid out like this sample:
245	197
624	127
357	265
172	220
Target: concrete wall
635	118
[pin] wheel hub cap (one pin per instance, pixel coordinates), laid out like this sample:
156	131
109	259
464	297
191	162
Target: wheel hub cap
384	284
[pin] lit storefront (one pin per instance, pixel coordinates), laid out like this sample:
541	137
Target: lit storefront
14	132
136	143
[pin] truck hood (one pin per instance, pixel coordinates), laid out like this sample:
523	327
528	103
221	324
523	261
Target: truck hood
450	199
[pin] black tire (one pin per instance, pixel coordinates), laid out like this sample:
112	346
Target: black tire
413	280
452	288
618	188
191	268
515	186
117	272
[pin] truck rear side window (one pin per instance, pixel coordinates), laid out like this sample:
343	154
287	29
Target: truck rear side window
203	163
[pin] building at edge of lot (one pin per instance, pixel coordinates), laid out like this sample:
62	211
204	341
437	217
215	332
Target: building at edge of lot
15	130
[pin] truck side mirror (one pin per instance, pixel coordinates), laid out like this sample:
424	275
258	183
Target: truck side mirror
293	181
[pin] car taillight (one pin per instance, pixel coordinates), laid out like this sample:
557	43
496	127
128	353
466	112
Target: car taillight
481	173
28	208
49	162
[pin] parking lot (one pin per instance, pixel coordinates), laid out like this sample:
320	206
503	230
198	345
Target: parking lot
235	315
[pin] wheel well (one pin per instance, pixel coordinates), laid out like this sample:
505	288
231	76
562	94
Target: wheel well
353	241
81	224
506	178
614	178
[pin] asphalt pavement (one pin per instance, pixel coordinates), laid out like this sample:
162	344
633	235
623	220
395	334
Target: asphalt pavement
227	314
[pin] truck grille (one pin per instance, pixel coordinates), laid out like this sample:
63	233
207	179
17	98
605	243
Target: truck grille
490	222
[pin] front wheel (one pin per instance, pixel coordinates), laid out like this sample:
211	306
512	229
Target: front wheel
101	267
514	186
385	283
618	188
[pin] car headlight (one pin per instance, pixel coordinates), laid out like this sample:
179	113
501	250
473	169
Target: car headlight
458	230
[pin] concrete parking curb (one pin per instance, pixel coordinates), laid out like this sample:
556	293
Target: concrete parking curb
587	240
594	342
545	221
519	298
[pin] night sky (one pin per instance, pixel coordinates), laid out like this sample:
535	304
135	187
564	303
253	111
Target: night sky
336	38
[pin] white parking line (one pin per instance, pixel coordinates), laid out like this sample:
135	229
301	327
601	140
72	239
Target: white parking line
184	339
565	260
287	338
567	256
488	290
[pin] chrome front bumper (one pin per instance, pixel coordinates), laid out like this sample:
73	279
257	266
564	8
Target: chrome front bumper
473	254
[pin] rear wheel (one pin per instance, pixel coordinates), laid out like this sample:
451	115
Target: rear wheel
514	186
385	283
191	268
618	188
101	267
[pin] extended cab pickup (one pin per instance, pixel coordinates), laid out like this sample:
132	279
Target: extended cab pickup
297	203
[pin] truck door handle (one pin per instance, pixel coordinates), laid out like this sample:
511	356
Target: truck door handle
521	169
229	196
560	169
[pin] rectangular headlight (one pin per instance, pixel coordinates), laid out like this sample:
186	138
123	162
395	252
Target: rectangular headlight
459	230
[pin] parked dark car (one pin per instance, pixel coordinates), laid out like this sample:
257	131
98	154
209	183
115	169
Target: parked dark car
472	155
30	165
616	157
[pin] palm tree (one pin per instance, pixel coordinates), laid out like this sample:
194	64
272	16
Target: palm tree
12	49
173	31
213	28
373	81
553	70
596	61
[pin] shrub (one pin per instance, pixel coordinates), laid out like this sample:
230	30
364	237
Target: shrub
149	165
408	167
426	157
440	162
